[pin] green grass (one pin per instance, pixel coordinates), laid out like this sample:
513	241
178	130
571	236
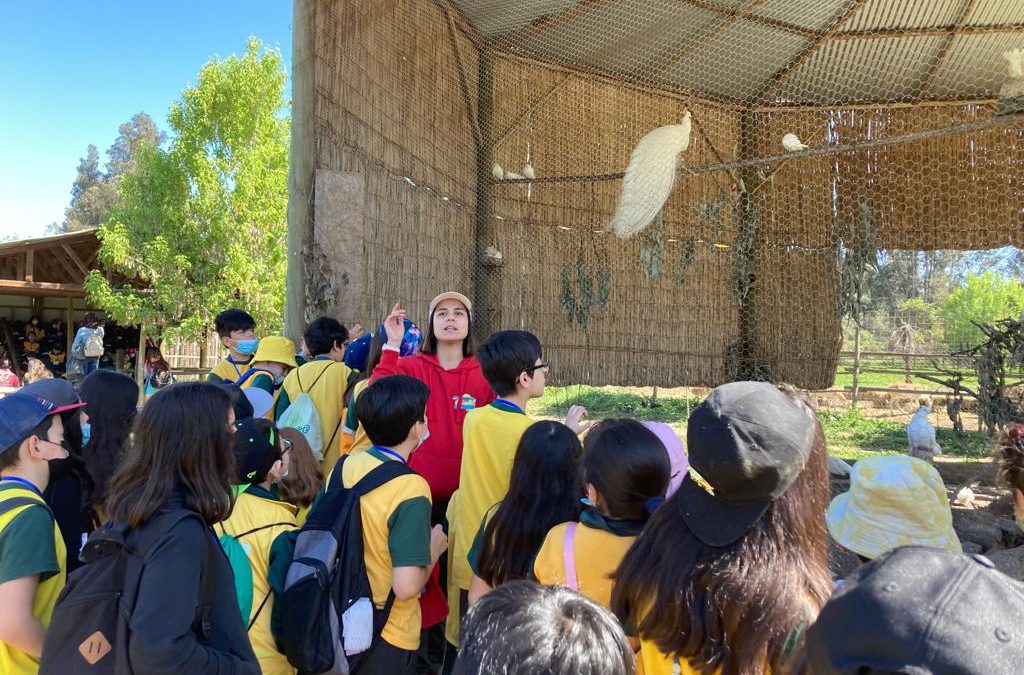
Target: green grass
850	435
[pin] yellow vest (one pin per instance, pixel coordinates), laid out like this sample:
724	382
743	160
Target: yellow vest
13	661
228	371
490	437
360	441
327	394
251	512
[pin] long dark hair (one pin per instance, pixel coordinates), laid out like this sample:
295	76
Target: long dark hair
182	439
732	609
628	465
544	491
110	401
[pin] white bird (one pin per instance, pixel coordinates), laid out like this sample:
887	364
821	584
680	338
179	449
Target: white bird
1015	62
650	176
965	497
792	143
838	467
497	172
528	171
511	175
921	435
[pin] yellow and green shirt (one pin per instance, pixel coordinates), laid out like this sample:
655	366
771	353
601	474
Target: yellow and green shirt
262	518
229	370
360	441
30	544
325	381
490	436
396	533
600	545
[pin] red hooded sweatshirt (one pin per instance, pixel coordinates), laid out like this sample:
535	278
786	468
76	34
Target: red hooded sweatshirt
453	393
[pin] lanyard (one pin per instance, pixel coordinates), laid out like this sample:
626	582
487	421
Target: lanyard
389	452
29	484
510	404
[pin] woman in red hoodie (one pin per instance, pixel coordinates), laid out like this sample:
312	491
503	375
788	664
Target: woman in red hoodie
447	365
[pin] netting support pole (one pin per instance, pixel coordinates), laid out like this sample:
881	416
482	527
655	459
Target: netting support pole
744	285
487	308
856	366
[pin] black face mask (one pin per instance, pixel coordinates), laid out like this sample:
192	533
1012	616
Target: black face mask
60	468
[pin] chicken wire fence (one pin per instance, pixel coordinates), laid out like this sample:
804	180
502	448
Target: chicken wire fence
759	154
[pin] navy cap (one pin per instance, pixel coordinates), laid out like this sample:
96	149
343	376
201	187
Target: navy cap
21	412
57	391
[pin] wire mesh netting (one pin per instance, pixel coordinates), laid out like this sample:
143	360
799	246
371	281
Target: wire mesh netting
483	145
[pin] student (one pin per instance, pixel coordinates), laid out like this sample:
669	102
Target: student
448	365
34	335
237	332
732	568
54	359
401	549
70	490
1011	466
325	379
32	553
91	331
259	522
36	371
410	345
111	401
511	361
523	628
626	472
182	459
156	372
918	610
274	359
892	501
7	376
544	490
305	479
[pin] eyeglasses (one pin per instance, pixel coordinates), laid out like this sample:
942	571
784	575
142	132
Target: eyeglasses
542	367
288	445
64	444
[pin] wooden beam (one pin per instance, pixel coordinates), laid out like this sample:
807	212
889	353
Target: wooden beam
79	263
65	266
940	58
549	22
775	80
935	31
747	14
731	17
69	332
41	288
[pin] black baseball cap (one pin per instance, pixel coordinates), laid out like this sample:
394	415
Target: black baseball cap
921	611
746	443
255	449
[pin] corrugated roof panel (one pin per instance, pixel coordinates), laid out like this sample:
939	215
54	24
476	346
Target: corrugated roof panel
809	14
877	14
737	62
996	13
495	18
626	38
887	69
975	66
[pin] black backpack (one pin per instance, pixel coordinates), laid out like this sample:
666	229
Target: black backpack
327	591
89	631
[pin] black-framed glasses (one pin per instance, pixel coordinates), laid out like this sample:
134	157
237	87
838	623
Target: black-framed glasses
288	445
64	444
542	367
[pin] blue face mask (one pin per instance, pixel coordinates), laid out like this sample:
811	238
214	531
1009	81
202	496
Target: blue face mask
247	346
86	431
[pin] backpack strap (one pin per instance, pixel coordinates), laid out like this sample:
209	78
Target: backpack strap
251	373
569	556
8	505
380	475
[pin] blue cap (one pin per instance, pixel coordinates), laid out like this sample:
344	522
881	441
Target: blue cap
21	412
358	352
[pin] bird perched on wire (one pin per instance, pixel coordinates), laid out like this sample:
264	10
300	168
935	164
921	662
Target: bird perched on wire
792	143
528	171
650	176
497	172
921	434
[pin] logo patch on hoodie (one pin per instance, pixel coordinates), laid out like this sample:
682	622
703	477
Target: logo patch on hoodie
464	402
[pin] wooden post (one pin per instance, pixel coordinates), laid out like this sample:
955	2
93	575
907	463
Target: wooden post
856	366
69	318
204	351
140	359
29	264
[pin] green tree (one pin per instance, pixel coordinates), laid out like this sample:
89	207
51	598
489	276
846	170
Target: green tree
137	132
201	224
983	298
92	196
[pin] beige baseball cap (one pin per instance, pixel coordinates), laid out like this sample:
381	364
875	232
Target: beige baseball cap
450	295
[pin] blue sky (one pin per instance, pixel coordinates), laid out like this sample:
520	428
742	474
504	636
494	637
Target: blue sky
71	72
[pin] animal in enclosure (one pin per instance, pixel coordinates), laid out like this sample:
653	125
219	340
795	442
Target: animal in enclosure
497	172
838	467
921	434
1014	87
649	178
792	143
528	171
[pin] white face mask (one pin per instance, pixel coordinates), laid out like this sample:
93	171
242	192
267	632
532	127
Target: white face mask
423	439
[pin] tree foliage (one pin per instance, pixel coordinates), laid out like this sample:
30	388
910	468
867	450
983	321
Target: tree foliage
200	225
983	298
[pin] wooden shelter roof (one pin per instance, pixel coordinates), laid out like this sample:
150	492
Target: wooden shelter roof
48	266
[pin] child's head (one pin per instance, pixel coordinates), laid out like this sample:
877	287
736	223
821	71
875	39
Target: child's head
31	434
544	490
892	501
450	320
736	559
260	454
305	478
326	337
90	320
920	610
393	409
522	628
237	331
153	355
5	363
625	469
511	362
1011	466
276	354
184	437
